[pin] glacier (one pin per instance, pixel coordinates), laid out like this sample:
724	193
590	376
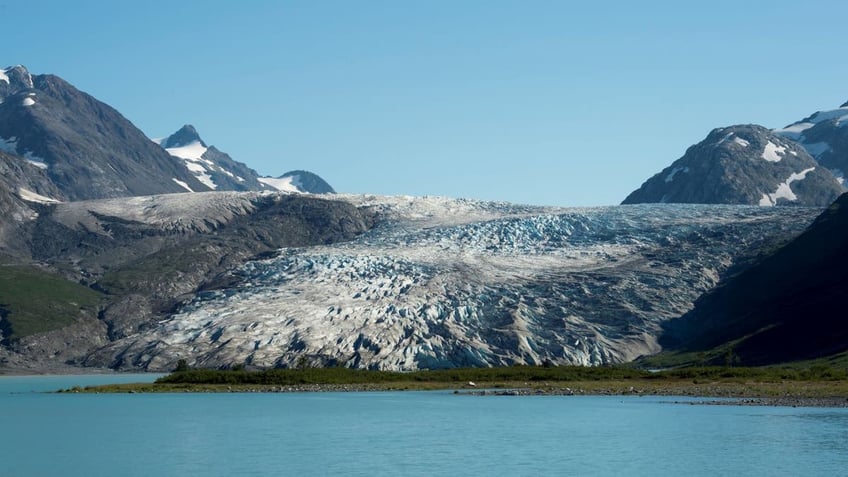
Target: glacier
442	283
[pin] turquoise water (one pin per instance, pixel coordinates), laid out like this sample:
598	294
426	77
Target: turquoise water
410	433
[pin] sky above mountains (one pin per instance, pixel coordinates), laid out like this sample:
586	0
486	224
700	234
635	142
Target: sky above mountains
541	102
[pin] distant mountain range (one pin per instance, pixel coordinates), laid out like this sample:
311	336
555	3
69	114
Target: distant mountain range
121	251
88	150
801	164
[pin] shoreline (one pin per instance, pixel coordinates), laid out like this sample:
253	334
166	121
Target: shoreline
831	394
695	400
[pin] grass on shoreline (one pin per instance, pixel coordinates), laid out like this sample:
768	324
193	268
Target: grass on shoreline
813	382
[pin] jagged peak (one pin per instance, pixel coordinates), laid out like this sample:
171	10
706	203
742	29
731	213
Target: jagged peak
844	105
183	137
16	76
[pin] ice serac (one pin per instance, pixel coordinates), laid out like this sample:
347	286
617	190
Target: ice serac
442	283
824	135
146	254
745	164
88	150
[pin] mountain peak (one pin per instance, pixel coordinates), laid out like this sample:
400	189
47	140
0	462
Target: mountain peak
15	78
185	136
844	105
742	164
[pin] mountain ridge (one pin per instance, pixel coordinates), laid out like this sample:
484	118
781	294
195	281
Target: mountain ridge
743	164
90	151
87	148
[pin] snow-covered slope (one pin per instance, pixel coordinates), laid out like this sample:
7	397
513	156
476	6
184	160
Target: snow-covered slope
213	168
299	181
825	136
448	282
282	184
218	171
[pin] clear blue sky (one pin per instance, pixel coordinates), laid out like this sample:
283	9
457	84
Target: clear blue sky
541	102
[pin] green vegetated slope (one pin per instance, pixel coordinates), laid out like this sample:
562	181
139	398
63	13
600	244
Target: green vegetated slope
34	301
790	306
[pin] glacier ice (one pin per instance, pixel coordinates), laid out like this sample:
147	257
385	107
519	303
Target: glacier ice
454	282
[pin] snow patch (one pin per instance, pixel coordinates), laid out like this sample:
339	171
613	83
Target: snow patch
38	163
795	131
840	176
182	184
206	180
31	196
284	184
773	152
784	191
192	151
3	76
28	101
837	114
741	142
196	168
724	139
670	176
192	156
35	160
10	146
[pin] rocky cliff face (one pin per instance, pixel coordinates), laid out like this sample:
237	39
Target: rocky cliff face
23	188
443	283
742	165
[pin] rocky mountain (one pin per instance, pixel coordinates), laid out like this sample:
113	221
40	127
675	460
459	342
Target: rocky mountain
445	282
825	137
215	169
745	164
219	171
299	181
789	306
86	148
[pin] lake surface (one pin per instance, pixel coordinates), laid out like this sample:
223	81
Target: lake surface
402	433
